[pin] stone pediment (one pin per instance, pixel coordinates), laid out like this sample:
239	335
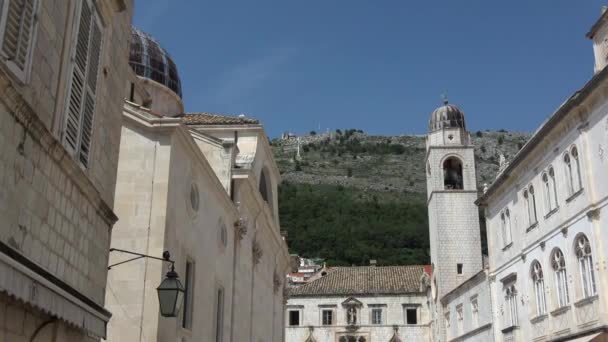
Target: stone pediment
352	301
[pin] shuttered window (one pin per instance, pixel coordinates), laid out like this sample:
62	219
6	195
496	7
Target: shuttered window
17	27
83	85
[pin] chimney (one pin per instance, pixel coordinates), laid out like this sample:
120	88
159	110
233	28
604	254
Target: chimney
372	262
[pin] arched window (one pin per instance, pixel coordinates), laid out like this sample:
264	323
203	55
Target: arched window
582	249
452	174
538	280
573	171
577	174
547	192
550	190
505	221
530	205
511	301
553	185
558	262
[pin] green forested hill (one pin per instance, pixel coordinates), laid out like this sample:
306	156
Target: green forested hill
351	197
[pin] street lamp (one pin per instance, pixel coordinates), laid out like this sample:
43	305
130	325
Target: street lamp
170	294
170	291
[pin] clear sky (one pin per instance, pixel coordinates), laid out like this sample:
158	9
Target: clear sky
376	65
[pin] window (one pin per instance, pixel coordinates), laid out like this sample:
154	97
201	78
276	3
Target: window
553	185
411	315
452	174
538	280
505	222
377	316
511	304
459	268
550	191
585	263
447	324
474	312
573	171
17	30
83	85
531	205
558	262
460	317
327	317
188	296
219	316
294	318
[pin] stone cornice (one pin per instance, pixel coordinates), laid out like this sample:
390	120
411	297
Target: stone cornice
35	128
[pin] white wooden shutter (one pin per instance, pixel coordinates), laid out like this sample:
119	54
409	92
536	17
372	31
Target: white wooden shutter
83	85
17	35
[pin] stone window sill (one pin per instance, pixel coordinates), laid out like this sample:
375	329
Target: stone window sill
534	225
510	329
553	211
560	311
586	301
574	195
539	318
507	246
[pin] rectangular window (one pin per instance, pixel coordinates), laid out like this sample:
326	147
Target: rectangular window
459	268
81	101
219	316
188	296
460	317
475	312
327	317
377	316
17	29
294	318
411	315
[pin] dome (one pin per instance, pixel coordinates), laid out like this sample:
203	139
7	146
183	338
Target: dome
149	60
446	116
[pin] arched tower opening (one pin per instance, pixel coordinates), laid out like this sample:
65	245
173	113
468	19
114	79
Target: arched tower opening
452	174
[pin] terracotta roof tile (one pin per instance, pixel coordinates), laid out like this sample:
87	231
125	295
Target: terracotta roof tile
364	280
215	119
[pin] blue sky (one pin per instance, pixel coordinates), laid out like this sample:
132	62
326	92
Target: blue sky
376	65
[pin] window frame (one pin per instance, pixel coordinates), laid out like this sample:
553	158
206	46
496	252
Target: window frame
188	306
459	319
538	283
332	316
410	307
474	311
584	256
512	317
380	311
299	312
20	74
561	278
220	309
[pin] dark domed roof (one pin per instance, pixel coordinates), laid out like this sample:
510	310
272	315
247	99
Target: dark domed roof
148	59
447	116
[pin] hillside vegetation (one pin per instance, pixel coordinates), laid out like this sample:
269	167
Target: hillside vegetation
351	197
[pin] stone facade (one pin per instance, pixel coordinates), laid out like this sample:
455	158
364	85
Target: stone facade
56	211
393	312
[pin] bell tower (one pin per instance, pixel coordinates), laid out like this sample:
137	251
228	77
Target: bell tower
453	216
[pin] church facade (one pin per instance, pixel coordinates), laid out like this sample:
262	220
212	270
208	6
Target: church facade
204	188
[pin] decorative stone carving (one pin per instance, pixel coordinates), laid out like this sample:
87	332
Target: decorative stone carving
600	152
256	252
565	231
593	214
276	282
542	245
240	227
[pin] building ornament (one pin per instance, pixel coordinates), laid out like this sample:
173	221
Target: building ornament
276	282
542	245
240	227
256	252
564	231
600	152
593	214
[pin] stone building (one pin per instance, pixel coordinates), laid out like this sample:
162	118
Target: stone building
203	187
61	88
546	220
546	274
361	304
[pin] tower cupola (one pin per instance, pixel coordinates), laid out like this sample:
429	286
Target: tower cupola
446	116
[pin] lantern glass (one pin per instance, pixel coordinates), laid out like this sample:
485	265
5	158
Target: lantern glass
170	295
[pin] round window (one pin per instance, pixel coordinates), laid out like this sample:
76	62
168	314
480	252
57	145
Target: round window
194	197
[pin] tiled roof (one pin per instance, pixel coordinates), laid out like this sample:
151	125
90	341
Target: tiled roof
215	119
364	280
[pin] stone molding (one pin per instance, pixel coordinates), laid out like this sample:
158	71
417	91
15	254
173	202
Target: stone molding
240	227
256	252
35	128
